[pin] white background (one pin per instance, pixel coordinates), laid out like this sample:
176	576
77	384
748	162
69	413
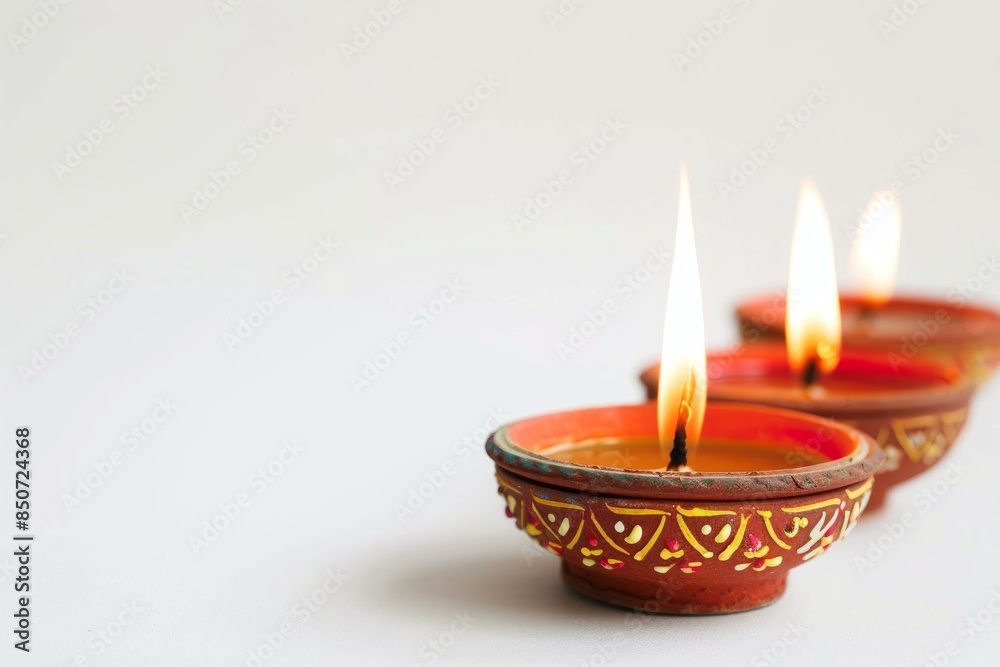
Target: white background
332	509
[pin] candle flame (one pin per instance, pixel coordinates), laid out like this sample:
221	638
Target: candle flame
682	385
812	316
875	253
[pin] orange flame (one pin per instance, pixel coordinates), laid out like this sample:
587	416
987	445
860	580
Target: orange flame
875	253
682	387
812	318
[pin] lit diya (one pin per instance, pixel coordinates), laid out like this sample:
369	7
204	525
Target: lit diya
685	506
902	329
915	410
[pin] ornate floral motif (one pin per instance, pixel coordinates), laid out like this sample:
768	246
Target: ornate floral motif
685	537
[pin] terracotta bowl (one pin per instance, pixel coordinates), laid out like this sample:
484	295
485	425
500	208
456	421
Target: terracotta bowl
915	426
911	328
679	542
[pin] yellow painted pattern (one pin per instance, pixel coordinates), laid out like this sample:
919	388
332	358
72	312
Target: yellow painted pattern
690	537
508	486
576	538
635	535
759	553
815	506
698	511
766	515
815	552
735	544
855	493
544	524
600	529
656	535
797	522
628	511
724	533
556	503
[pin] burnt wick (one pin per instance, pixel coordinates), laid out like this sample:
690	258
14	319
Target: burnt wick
678	453
810	376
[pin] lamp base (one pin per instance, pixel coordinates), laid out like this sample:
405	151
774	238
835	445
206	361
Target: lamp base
668	596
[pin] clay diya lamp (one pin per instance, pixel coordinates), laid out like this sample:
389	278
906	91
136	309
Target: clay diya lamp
915	412
900	328
585	486
680	506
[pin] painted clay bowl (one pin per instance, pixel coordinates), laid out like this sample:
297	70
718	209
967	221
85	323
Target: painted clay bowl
681	542
904	329
915	425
